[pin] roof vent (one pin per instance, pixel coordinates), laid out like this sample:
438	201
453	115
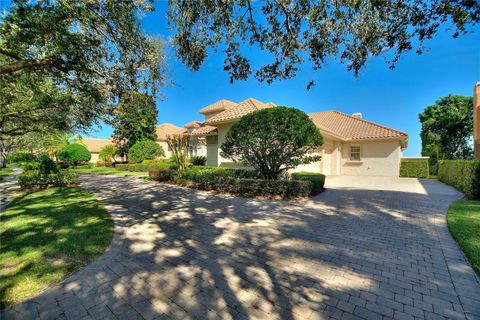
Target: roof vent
357	115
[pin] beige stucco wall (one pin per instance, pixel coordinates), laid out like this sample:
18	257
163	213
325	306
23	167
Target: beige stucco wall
377	158
164	146
212	151
222	132
94	157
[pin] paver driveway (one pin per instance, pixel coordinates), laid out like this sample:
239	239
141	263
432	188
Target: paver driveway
379	250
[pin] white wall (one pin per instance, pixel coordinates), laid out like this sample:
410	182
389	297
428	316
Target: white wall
164	146
212	151
377	158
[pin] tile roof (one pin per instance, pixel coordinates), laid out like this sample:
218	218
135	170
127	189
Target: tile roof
220	105
95	145
350	128
193	124
245	107
166	129
204	130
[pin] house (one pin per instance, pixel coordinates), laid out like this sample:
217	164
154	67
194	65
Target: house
352	145
94	146
198	144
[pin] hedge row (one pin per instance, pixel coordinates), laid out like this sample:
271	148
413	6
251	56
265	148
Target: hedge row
414	168
33	179
144	167
242	182
463	175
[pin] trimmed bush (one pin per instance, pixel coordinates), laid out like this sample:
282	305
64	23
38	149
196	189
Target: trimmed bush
463	175
46	165
161	175
33	179
198	160
414	168
74	153
18	157
317	180
107	153
144	167
145	150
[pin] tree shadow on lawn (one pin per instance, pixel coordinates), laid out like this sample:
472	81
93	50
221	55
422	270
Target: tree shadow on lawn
187	254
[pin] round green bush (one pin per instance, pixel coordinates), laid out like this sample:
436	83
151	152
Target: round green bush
145	150
75	153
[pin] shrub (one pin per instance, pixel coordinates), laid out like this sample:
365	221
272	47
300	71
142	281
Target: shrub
144	167
414	168
30	165
108	153
161	175
46	165
317	180
198	160
33	179
18	157
74	153
463	175
145	150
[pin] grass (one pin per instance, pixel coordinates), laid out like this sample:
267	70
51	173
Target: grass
46	236
108	170
4	172
464	223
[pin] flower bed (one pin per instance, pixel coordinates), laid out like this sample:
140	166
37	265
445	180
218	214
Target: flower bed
242	182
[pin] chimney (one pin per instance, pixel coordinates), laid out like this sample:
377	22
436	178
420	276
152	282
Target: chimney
476	119
357	115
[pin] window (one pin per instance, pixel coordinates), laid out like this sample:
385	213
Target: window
355	153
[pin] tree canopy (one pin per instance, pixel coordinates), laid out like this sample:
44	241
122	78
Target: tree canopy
134	119
273	140
145	150
447	128
296	31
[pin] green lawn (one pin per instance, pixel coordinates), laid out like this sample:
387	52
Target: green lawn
46	236
5	172
464	223
108	170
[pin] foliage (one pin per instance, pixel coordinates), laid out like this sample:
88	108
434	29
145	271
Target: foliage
21	156
108	153
414	168
48	235
317	179
447	128
463	175
145	150
239	182
46	165
5	172
198	160
464	223
105	171
134	119
294	31
179	144
74	153
272	140
34	179
144	167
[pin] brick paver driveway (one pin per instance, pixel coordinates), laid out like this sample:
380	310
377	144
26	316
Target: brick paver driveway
369	248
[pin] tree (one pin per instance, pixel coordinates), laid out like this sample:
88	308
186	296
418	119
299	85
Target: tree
293	31
75	153
273	140
64	64
145	150
447	128
108	153
134	119
179	144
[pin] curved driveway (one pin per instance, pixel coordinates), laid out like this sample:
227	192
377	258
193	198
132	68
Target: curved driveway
367	248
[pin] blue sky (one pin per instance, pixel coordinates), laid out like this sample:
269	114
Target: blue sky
389	97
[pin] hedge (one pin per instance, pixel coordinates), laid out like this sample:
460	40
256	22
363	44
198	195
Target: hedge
33	179
236	181
414	168
463	175
317	179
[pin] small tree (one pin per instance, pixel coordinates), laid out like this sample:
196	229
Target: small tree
273	140
74	153
108	153
145	150
179	144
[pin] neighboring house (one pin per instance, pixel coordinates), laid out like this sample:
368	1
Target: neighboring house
198	144
163	131
94	146
352	145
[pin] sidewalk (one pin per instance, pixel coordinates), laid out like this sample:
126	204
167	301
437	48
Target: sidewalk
8	188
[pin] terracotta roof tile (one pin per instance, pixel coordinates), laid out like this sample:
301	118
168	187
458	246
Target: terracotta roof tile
204	130
193	124
166	129
220	105
351	128
95	145
245	107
